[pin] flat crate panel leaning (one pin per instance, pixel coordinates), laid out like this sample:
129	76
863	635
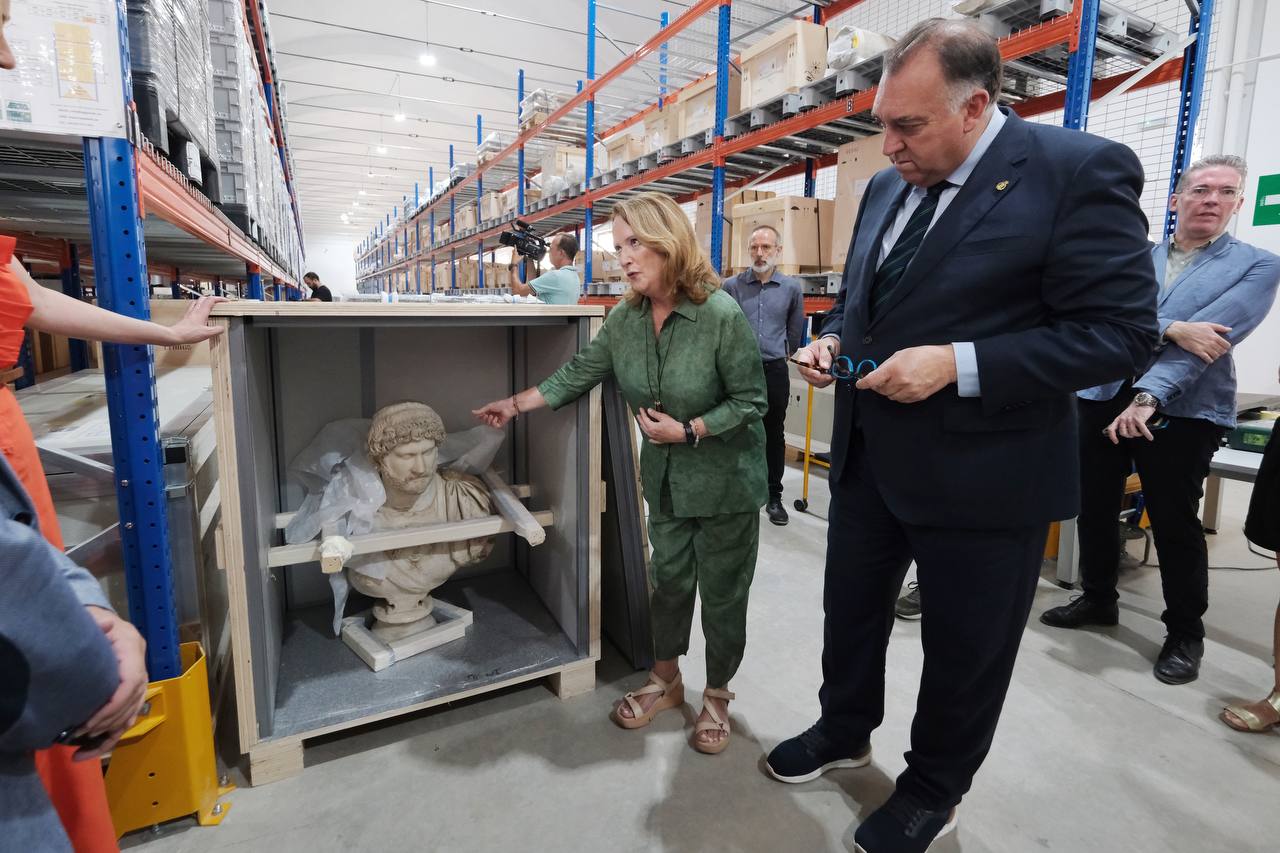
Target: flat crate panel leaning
282	372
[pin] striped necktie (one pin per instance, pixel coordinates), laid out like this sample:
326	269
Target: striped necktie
899	257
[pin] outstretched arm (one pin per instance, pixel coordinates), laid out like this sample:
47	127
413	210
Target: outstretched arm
53	311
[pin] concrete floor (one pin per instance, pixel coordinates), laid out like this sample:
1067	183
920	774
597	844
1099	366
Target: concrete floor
1093	754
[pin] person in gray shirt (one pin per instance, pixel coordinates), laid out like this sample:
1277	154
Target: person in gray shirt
774	305
58	668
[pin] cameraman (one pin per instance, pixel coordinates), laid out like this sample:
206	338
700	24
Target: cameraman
561	286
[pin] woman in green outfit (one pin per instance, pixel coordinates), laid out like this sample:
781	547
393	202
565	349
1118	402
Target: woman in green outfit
688	365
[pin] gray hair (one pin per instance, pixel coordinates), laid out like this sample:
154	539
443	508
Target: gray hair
969	56
777	238
1231	161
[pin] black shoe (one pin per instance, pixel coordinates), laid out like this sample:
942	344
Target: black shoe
777	514
810	754
903	825
1081	612
1179	661
908	606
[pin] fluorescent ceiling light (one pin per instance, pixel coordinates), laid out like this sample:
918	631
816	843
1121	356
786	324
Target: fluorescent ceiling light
381	149
362	192
398	116
427	59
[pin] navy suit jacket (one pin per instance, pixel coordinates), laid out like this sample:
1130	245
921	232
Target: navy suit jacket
1042	261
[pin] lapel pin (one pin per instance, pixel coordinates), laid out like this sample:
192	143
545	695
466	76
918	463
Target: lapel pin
1000	187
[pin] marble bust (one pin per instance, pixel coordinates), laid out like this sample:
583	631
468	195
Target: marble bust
403	444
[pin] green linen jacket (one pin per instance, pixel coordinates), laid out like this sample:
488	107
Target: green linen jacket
709	368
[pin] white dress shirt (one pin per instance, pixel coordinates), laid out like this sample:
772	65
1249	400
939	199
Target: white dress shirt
967	384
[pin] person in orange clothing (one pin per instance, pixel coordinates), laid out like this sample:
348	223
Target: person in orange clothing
73	779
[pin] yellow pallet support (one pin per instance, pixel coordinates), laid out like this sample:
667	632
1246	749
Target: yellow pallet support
164	766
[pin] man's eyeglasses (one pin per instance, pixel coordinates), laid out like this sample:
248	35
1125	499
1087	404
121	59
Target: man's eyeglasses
1200	191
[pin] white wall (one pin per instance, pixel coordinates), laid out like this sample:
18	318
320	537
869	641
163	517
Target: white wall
1258	358
333	259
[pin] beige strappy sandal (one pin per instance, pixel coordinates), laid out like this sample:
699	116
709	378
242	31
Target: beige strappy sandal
1253	723
715	724
672	697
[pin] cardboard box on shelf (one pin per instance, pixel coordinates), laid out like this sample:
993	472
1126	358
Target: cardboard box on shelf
625	146
794	56
466	214
491	206
803	226
531	194
661	128
565	161
698	103
856	163
702	219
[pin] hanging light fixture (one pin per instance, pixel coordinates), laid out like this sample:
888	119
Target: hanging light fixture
427	59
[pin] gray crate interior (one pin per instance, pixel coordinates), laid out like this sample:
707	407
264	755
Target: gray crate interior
292	375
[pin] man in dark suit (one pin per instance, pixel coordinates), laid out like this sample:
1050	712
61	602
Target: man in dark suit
998	267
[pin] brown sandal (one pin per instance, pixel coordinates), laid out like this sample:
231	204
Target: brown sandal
1253	723
672	697
715	724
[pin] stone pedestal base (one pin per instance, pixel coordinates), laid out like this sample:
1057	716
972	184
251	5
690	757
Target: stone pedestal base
447	623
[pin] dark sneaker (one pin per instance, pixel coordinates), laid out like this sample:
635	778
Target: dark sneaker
777	513
908	606
903	825
808	755
1179	661
1081	612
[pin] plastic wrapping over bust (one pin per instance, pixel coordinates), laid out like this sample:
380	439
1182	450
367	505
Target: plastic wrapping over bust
344	490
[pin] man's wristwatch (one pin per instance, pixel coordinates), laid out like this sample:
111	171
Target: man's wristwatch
690	437
1142	398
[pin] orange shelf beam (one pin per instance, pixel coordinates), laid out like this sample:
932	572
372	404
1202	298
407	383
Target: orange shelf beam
167	194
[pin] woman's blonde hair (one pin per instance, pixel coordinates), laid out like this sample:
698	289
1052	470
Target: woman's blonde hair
659	224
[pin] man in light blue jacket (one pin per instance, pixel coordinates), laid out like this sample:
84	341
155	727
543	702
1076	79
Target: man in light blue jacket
1169	421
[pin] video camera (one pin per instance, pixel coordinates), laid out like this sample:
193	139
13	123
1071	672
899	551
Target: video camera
526	243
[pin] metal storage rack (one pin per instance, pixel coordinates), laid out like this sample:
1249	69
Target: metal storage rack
133	206
1059	54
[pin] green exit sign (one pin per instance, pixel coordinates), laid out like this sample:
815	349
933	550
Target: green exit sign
1266	209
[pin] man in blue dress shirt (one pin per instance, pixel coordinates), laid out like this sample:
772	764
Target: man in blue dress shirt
774	305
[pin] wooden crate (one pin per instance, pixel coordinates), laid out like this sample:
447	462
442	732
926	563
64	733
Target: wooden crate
803	225
702	219
698	103
280	373
783	62
856	163
624	147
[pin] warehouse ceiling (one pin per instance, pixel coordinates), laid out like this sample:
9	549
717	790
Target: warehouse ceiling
376	92
367	113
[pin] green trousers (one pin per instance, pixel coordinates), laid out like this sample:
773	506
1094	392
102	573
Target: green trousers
716	557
